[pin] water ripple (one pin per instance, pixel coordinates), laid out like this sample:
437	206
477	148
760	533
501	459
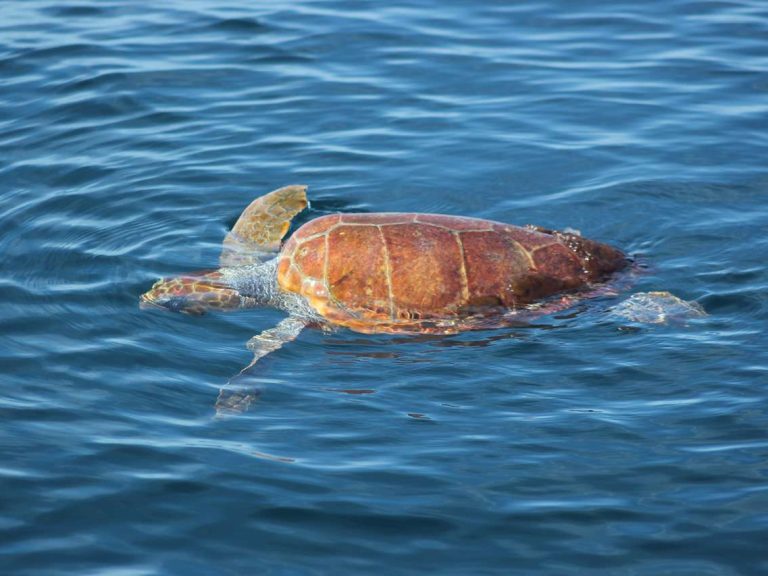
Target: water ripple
133	135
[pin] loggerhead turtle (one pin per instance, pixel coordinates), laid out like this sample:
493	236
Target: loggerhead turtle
384	273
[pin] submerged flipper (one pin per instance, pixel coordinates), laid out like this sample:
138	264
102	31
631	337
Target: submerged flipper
256	235
238	393
657	308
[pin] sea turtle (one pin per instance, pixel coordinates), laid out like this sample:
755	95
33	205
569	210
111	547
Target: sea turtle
385	273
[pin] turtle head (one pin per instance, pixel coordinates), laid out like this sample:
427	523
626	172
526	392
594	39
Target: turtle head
194	294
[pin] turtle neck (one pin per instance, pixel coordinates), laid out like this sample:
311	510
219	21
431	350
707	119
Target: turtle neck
257	282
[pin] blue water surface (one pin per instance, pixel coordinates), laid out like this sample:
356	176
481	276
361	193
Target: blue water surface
132	134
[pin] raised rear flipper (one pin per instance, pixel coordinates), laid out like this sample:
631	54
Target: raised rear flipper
241	391
256	235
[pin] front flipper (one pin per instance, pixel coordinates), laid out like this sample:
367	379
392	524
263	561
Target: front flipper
257	233
238	393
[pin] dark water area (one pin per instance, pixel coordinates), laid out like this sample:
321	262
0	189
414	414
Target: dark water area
133	134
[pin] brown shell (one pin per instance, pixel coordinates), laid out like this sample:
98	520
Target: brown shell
432	273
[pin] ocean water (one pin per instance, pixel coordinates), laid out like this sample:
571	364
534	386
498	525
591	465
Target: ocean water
133	134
